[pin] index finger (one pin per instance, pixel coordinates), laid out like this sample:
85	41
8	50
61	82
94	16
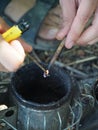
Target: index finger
84	12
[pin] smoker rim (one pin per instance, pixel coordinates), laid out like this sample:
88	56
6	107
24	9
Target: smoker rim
63	101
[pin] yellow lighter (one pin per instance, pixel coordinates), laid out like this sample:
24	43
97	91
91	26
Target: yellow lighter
15	31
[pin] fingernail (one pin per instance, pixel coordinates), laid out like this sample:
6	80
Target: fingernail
69	45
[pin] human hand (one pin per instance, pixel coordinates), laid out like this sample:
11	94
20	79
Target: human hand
12	54
76	14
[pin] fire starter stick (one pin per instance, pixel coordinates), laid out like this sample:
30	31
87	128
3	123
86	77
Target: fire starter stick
61	45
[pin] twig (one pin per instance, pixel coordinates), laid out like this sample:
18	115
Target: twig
46	72
4	82
83	60
71	69
61	45
33	53
36	62
10	125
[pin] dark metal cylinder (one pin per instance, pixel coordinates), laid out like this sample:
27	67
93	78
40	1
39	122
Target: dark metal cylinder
42	103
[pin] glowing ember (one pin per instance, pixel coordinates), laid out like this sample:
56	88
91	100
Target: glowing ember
46	73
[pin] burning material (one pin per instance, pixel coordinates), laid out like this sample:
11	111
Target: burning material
46	73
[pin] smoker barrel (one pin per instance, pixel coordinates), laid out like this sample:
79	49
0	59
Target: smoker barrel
42	103
95	91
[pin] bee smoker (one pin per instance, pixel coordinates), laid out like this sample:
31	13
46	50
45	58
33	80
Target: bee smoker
42	103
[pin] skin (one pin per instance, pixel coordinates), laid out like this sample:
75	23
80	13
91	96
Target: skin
12	54
76	14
